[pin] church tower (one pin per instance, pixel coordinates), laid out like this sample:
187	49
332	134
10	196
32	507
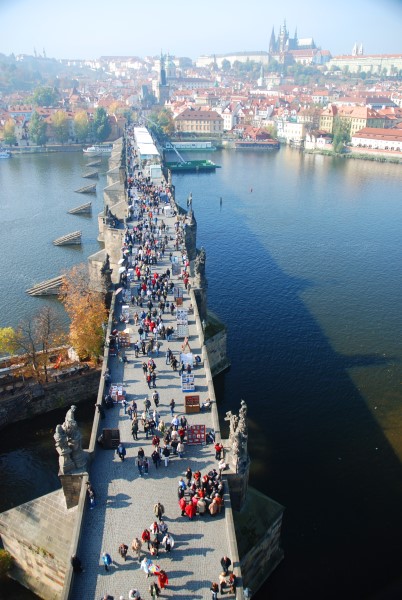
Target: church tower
163	91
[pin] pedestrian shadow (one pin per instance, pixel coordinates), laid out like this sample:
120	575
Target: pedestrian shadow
195	585
118	501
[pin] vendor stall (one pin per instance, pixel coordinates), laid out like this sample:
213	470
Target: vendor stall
117	392
187	383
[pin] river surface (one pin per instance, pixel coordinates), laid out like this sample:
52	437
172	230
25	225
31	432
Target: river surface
304	267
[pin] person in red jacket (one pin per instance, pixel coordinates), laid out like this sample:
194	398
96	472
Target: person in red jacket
183	504
191	510
218	450
146	537
162	579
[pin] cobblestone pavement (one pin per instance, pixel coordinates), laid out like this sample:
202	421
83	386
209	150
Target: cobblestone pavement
125	500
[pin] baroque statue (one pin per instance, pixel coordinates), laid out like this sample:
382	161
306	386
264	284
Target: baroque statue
66	464
69	444
238	436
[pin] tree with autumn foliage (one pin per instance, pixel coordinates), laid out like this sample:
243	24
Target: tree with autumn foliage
34	338
87	312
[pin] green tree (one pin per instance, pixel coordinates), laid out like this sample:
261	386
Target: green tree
9	136
341	133
37	130
44	96
7	340
101	126
272	130
226	66
81	125
60	126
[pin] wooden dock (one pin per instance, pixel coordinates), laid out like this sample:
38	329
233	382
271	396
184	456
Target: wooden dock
68	239
50	287
88	189
83	209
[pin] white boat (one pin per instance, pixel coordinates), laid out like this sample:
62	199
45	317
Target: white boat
196	146
4	153
98	149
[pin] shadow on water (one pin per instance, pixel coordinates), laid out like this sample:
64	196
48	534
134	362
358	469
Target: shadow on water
314	444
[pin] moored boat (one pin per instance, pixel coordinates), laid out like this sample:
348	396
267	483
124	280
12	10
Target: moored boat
257	145
192	166
98	149
5	153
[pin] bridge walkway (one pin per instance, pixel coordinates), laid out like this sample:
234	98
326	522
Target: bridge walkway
125	500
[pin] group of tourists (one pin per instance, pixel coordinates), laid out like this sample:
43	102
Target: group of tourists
146	243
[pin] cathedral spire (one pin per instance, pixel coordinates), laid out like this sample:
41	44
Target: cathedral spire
272	42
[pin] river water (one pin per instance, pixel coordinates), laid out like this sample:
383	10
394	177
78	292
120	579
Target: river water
303	264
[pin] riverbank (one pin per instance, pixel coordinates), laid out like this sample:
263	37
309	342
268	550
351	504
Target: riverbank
75	386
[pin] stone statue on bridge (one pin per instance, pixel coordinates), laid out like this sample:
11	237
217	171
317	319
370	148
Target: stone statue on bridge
66	464
69	444
238	436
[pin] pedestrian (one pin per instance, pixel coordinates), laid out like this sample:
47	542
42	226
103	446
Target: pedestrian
156	458
154	528
140	465
154	590
163	528
100	410
180	449
91	496
136	546
172	404
146	466
134	595
214	589
189	476
147	566
153	377
166	454
123	549
134	429
218	450
121	451
159	510
146	537
232	583
225	564
76	564
107	560
169	542
155	398
222	583
174	443
191	510
182	504
162	579
155	547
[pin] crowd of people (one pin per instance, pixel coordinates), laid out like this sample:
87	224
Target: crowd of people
146	243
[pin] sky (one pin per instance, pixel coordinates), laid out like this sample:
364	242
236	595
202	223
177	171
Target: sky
94	28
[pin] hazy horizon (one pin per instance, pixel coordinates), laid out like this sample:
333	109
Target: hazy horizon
91	29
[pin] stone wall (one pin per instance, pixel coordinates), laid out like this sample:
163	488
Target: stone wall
216	347
258	534
38	535
75	389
